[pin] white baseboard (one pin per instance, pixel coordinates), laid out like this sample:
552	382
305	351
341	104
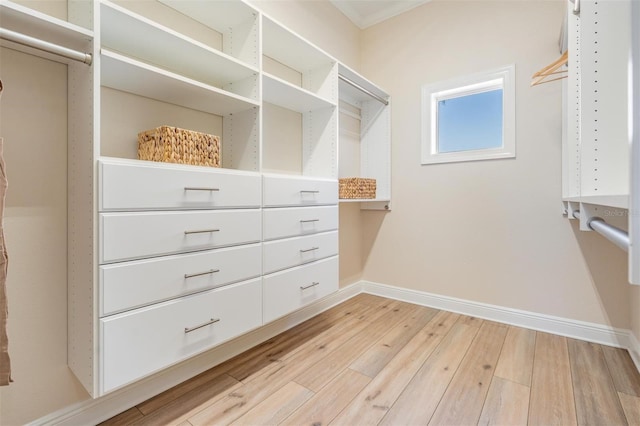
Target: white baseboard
96	410
591	332
634	349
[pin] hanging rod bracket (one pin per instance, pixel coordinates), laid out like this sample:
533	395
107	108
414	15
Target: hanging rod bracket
619	237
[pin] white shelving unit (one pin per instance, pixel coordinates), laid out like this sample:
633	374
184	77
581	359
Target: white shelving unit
124	31
144	58
129	75
597	166
315	98
145	74
311	100
596	160
366	152
317	68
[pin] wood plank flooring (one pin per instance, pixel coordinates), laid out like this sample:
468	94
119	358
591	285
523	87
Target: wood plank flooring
374	361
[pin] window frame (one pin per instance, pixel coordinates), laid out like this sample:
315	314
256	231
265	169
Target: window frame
501	78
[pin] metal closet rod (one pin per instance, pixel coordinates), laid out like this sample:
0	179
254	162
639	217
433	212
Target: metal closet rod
45	46
363	90
616	235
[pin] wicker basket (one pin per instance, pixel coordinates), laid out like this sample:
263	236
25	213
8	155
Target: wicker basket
351	188
175	145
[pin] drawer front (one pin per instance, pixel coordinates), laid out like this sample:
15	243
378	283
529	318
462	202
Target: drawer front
294	221
151	186
282	254
128	236
133	284
286	291
299	191
140	342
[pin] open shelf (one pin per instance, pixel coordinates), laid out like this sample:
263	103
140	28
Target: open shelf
122	73
219	15
141	38
287	95
236	21
289	49
300	95
316	69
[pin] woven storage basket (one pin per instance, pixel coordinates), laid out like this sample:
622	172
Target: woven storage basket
351	188
175	145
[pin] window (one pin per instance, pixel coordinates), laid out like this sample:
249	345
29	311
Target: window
470	118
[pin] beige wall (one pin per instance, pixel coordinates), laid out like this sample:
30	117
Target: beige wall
489	231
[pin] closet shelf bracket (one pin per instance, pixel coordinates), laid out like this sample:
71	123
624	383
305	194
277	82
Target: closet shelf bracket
616	235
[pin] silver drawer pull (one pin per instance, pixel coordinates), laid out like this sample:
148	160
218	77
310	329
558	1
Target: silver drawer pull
211	321
212	271
309	192
201	231
310	220
309	249
313	284
199	188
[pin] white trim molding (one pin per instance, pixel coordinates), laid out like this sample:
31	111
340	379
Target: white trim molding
432	94
591	332
96	410
634	349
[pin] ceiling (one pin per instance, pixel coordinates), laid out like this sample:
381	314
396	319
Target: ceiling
365	13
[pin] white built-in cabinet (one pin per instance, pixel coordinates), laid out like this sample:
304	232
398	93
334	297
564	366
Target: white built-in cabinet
597	165
167	261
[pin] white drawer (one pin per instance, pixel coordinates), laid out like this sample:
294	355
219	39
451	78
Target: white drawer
137	343
293	221
130	285
299	191
128	236
286	291
282	254
142	185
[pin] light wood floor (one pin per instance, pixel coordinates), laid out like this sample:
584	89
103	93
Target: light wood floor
375	361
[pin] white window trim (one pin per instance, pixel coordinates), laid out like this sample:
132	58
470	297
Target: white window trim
504	78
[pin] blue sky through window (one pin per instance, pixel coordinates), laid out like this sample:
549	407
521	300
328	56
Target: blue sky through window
470	122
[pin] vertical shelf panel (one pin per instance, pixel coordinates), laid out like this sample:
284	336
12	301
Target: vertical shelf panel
571	118
376	147
634	219
604	55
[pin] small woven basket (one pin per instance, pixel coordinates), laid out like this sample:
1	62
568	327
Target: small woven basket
174	145
352	188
